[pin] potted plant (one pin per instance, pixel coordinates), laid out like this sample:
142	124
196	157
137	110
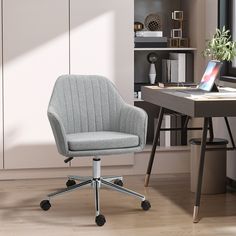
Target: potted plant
221	47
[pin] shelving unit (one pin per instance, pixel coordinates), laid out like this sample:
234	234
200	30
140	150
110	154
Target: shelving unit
138	100
141	64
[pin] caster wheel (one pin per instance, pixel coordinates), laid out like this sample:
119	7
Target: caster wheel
45	205
119	182
145	205
70	182
100	220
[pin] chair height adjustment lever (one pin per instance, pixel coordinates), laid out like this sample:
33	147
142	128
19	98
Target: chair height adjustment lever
68	159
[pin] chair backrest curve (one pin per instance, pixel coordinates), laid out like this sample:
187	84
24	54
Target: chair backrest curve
86	103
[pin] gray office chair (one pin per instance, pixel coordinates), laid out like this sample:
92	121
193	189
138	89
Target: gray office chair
89	118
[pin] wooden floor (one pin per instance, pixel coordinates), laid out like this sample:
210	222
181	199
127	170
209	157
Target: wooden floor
73	214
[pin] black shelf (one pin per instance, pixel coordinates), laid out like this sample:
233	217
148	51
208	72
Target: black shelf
230	79
138	85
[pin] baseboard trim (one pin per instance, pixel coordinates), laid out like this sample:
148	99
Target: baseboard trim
166	162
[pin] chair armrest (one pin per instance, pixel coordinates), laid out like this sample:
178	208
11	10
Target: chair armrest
58	132
133	120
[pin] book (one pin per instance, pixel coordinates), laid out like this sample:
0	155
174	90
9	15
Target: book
169	70
150	44
146	33
161	141
165	71
173	133
176	84
181	58
167	124
185	66
150	39
189	67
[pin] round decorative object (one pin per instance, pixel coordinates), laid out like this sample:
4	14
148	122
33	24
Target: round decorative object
138	26
153	22
152	57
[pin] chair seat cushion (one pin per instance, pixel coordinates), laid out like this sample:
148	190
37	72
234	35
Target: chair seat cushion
101	140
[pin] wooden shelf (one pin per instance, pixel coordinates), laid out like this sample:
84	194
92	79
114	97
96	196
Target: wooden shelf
138	100
165	49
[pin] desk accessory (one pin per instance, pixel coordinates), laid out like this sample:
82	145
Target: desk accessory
153	22
152	59
177	39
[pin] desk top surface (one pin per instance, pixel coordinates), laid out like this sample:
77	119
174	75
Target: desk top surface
218	104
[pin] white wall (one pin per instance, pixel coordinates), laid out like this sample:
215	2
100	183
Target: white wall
1	99
36	52
211	18
102	41
195	17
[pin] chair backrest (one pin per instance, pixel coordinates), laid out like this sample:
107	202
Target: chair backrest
86	103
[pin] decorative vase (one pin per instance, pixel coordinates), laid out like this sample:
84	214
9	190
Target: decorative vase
152	73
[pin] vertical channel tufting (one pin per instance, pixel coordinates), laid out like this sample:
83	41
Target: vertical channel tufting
78	107
74	97
84	104
109	109
94	93
117	115
83	114
99	82
113	115
87	103
65	105
69	106
72	105
105	111
126	121
97	104
118	110
90	106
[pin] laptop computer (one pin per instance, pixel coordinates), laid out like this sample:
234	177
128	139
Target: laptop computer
207	83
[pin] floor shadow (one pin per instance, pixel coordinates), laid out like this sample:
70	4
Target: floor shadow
176	188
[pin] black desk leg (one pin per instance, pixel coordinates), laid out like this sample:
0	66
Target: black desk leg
230	133
211	130
154	146
186	122
200	171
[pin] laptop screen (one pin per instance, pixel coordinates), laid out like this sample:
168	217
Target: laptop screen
211	72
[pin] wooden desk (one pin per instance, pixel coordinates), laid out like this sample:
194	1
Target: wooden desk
210	105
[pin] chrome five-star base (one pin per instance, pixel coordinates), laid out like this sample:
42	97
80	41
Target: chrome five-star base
96	181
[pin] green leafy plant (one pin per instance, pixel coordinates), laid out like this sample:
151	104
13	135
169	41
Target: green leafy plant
221	47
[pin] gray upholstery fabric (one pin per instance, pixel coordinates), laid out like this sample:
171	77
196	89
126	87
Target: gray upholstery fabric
90	103
101	140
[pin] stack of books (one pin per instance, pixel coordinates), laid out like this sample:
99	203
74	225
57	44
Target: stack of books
178	68
150	39
173	137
